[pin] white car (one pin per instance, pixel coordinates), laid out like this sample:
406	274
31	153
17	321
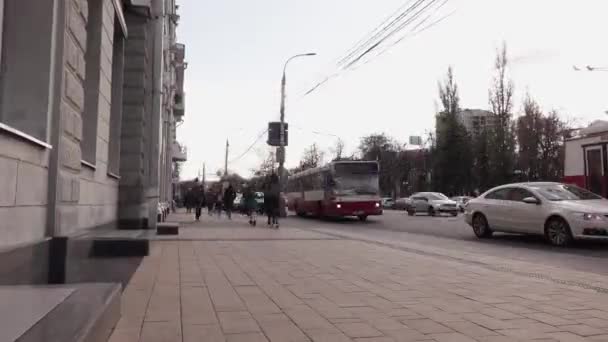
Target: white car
558	211
432	203
461	201
388	203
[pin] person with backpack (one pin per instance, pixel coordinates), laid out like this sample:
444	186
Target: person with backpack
250	204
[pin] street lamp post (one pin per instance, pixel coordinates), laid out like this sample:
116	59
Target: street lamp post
281	152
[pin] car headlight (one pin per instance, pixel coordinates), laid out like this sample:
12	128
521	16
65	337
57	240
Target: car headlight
377	205
339	206
590	216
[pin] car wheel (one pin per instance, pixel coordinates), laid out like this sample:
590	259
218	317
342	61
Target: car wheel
362	218
455	213
432	211
557	232
411	212
481	227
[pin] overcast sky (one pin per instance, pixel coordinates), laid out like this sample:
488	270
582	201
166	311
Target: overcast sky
236	50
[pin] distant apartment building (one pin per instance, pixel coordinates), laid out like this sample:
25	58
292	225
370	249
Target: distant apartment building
474	120
90	95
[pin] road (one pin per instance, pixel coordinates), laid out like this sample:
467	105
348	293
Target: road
453	233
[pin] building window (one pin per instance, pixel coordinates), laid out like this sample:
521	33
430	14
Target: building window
118	64
90	116
25	68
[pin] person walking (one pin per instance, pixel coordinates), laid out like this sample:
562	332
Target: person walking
210	201
272	191
199	196
188	200
250	204
219	202
229	196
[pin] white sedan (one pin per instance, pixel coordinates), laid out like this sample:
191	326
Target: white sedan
558	211
432	203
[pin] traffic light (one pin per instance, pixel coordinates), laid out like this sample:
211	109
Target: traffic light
274	133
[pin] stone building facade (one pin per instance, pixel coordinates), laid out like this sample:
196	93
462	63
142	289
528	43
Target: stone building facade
90	95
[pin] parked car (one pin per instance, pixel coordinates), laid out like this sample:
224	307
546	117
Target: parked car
402	203
461	201
560	212
388	203
432	203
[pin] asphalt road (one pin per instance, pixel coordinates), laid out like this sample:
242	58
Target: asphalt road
454	233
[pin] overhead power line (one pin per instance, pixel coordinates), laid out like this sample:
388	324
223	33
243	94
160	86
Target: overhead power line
391	34
411	15
379	30
250	147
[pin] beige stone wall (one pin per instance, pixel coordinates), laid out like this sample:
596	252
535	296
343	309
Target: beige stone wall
98	199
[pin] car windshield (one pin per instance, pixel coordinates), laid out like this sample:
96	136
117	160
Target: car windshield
435	196
563	192
353	184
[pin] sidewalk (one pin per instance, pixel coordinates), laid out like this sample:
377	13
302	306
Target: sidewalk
223	280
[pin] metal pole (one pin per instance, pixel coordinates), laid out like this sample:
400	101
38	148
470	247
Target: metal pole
226	159
281	149
281	152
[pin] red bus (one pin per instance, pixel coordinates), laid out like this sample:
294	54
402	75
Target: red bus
341	188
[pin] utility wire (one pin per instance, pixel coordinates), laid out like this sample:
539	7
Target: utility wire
395	31
401	27
250	147
378	33
412	34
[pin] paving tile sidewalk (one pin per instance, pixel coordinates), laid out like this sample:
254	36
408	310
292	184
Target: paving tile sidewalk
326	289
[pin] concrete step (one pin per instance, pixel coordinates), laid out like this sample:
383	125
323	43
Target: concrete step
167	228
59	313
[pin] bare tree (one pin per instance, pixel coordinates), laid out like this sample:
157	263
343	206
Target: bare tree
267	166
311	158
452	152
528	130
448	94
338	149
502	138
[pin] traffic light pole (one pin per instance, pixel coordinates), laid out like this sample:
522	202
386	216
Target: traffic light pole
281	150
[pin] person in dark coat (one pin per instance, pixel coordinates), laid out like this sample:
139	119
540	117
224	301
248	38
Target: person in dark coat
188	200
210	201
249	203
272	191
199	201
229	196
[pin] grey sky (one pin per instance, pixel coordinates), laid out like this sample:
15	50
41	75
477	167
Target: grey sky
236	50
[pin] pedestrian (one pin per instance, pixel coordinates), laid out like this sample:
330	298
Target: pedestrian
199	197
219	202
229	196
188	200
272	191
249	204
210	201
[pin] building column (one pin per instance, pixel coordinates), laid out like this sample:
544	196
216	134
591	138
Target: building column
133	205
